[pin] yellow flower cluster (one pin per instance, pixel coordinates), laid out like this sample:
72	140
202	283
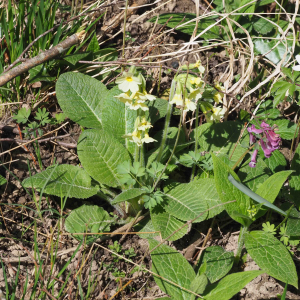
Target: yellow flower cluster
140	134
252	211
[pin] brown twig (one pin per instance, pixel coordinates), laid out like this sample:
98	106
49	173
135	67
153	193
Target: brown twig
39	59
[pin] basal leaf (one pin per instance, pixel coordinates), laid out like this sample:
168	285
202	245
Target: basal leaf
293	223
276	162
100	154
271	256
230	285
185	202
66	180
219	262
81	98
157	109
285	128
198	285
167	224
88	219
228	192
270	189
221	139
128	195
295	178
170	264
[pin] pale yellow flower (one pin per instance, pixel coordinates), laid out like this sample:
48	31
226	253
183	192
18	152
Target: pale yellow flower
147	139
134	137
135	105
189	105
199	66
218	98
128	82
144	125
177	99
216	114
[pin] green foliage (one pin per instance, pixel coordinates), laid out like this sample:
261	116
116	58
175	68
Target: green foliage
263	245
22	115
88	219
65	180
270	228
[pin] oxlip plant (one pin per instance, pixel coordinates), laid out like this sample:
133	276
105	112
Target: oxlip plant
124	161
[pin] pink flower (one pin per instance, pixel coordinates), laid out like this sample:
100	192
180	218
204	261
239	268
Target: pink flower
252	164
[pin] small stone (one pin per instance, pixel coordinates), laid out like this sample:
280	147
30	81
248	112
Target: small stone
22	200
72	157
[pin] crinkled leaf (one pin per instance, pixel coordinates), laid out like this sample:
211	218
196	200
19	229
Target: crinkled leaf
276	162
295	178
270	189
198	285
146	226
171	265
221	139
293	223
271	256
285	128
157	109
253	177
228	192
88	219
229	286
66	180
167	224
186	202
100	154
81	98
219	262
128	195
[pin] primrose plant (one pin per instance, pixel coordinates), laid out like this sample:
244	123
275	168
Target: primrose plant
182	175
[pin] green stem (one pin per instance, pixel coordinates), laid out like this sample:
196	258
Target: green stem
167	122
124	32
241	242
286	217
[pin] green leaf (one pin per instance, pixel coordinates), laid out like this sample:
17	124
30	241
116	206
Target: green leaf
198	285
270	189
22	115
262	26
118	118
128	195
157	109
171	265
81	98
2	180
185	205
221	138
40	73
230	285
285	128
178	19
254	196
271	256
100	154
219	262
66	180
293	223
167	224
295	178
88	219
253	177
279	89
74	58
228	192
276	162
93	45
263	46
145	226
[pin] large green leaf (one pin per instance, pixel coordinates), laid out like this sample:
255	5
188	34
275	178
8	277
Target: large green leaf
177	19
81	98
65	180
270	189
263	46
158	109
253	177
221	139
167	224
171	265
271	256
88	219
219	262
295	178
100	153
276	162
293	223
230	285
186	202
128	195
118	119
228	192
285	128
